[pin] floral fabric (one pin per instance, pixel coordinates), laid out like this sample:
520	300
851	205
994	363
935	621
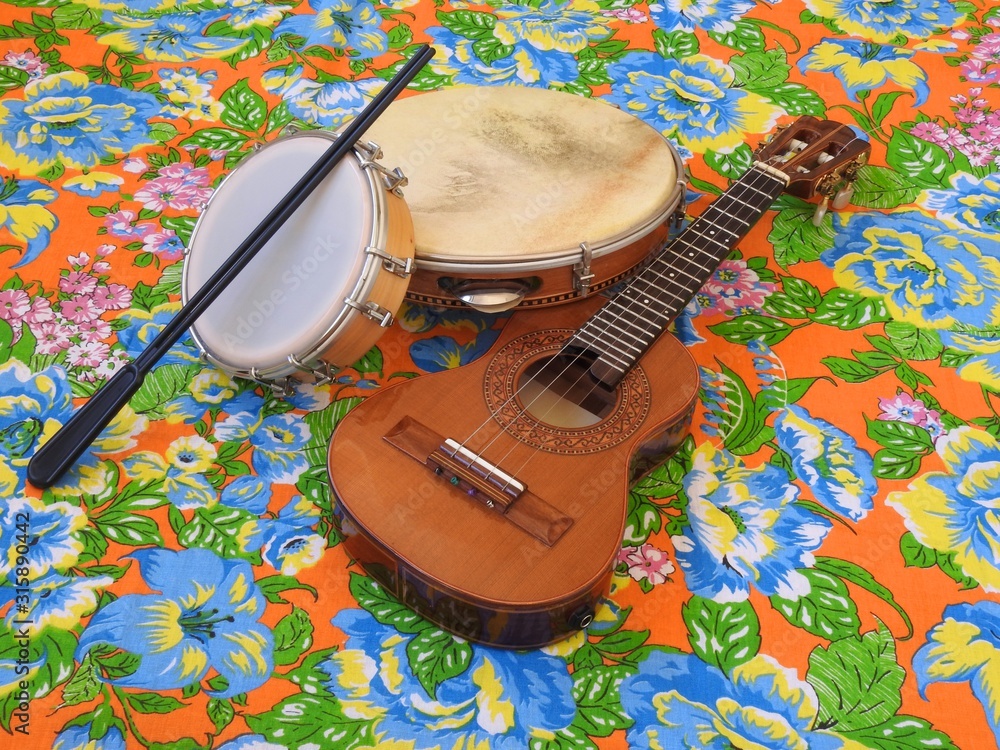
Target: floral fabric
817	567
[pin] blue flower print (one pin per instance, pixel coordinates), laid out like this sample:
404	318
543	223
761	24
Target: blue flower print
718	16
182	471
141	328
965	647
341	24
22	206
691	101
278	441
863	66
58	601
54	542
288	543
524	66
502	701
212	389
204	615
929	274
33	407
443	352
248	493
972	203
839	473
170	37
679	701
885	21
328	104
982	348
744	530
78	738
551	25
955	511
66	119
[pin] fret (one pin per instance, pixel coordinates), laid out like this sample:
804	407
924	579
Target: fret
674	296
626	362
603	345
743	203
759	192
621	312
621	331
688	291
622	370
708	238
617	308
658	290
628	333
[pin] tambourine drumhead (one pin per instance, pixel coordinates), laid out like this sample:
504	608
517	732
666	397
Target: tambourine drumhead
290	299
516	175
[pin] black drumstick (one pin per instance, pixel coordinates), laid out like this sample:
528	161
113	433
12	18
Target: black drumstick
62	450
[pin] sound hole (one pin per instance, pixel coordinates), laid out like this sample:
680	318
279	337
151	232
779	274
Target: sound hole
561	391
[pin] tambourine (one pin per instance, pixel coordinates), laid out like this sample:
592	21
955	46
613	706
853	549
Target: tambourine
525	196
320	293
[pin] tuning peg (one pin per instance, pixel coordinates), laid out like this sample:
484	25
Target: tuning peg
843	197
821	210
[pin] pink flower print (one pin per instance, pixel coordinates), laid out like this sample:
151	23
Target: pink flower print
904	408
980	154
94	330
626	14
976	70
52	338
101	266
14	305
121	224
87	354
985	133
77	282
970	116
27	61
171	192
197	176
112	297
988	48
40	313
79	261
165	244
79	309
105	250
735	287
647	563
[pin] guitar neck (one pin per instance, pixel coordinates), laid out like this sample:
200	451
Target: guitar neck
624	328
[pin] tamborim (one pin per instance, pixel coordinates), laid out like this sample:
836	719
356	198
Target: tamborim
320	292
524	196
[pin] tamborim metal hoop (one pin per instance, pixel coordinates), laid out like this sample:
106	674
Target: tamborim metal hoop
321	291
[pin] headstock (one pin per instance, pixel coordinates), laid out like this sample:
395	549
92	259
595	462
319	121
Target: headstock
819	157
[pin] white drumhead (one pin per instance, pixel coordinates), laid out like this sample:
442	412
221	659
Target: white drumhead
522	173
292	293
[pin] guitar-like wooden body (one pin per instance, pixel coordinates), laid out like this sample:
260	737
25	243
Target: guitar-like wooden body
469	567
492	498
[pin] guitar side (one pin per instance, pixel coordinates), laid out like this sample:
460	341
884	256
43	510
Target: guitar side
533	573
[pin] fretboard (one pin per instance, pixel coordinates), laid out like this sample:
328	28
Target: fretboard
628	324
